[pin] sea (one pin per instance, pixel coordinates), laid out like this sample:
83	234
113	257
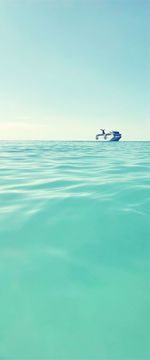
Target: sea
74	250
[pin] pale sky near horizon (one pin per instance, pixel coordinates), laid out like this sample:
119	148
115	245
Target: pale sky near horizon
70	67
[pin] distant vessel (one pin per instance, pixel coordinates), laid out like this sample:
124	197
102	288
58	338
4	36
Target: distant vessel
108	136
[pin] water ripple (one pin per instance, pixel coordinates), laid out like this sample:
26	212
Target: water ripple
74	249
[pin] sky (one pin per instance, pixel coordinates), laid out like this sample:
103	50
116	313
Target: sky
71	67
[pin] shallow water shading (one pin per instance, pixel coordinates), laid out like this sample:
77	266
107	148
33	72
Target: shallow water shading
74	250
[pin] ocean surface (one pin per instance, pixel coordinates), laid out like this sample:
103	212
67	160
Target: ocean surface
75	250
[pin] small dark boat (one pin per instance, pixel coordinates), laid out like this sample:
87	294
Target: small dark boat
110	136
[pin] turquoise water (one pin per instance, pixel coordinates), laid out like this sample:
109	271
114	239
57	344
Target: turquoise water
74	250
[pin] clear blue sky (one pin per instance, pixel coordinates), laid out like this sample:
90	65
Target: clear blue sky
68	68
